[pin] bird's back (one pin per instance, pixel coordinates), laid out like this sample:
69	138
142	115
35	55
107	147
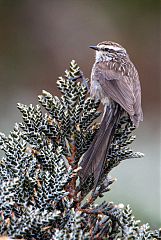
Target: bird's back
118	80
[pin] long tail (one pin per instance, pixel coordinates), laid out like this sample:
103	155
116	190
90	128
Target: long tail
94	159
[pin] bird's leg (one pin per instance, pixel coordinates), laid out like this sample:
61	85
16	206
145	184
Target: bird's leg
84	81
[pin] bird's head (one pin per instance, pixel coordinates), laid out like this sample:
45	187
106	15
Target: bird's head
107	50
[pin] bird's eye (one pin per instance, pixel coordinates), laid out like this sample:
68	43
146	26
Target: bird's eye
109	50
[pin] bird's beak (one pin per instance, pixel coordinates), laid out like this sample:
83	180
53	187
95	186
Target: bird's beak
94	47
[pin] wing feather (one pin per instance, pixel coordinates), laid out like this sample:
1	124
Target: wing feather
116	86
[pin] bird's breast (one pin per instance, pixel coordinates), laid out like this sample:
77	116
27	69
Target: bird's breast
97	92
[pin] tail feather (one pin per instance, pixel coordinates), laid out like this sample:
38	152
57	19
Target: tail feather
94	159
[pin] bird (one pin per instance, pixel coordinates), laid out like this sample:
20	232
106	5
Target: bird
115	82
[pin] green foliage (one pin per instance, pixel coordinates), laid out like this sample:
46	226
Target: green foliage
41	197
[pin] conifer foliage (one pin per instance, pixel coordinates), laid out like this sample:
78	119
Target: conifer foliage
41	197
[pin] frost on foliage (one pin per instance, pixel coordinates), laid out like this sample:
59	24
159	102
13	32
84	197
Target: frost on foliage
40	193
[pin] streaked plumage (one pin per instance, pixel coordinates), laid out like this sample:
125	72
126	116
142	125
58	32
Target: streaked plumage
114	80
119	81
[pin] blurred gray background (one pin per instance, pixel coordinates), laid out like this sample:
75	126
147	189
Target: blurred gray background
39	38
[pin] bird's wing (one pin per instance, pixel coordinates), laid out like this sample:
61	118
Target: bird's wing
117	86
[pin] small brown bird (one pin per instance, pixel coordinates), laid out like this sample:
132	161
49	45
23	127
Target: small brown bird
115	81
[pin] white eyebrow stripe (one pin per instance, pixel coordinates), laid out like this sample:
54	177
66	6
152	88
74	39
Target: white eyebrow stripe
114	48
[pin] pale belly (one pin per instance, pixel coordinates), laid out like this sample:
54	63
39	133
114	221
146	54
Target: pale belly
97	92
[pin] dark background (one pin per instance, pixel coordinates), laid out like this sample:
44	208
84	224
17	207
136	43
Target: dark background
39	38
